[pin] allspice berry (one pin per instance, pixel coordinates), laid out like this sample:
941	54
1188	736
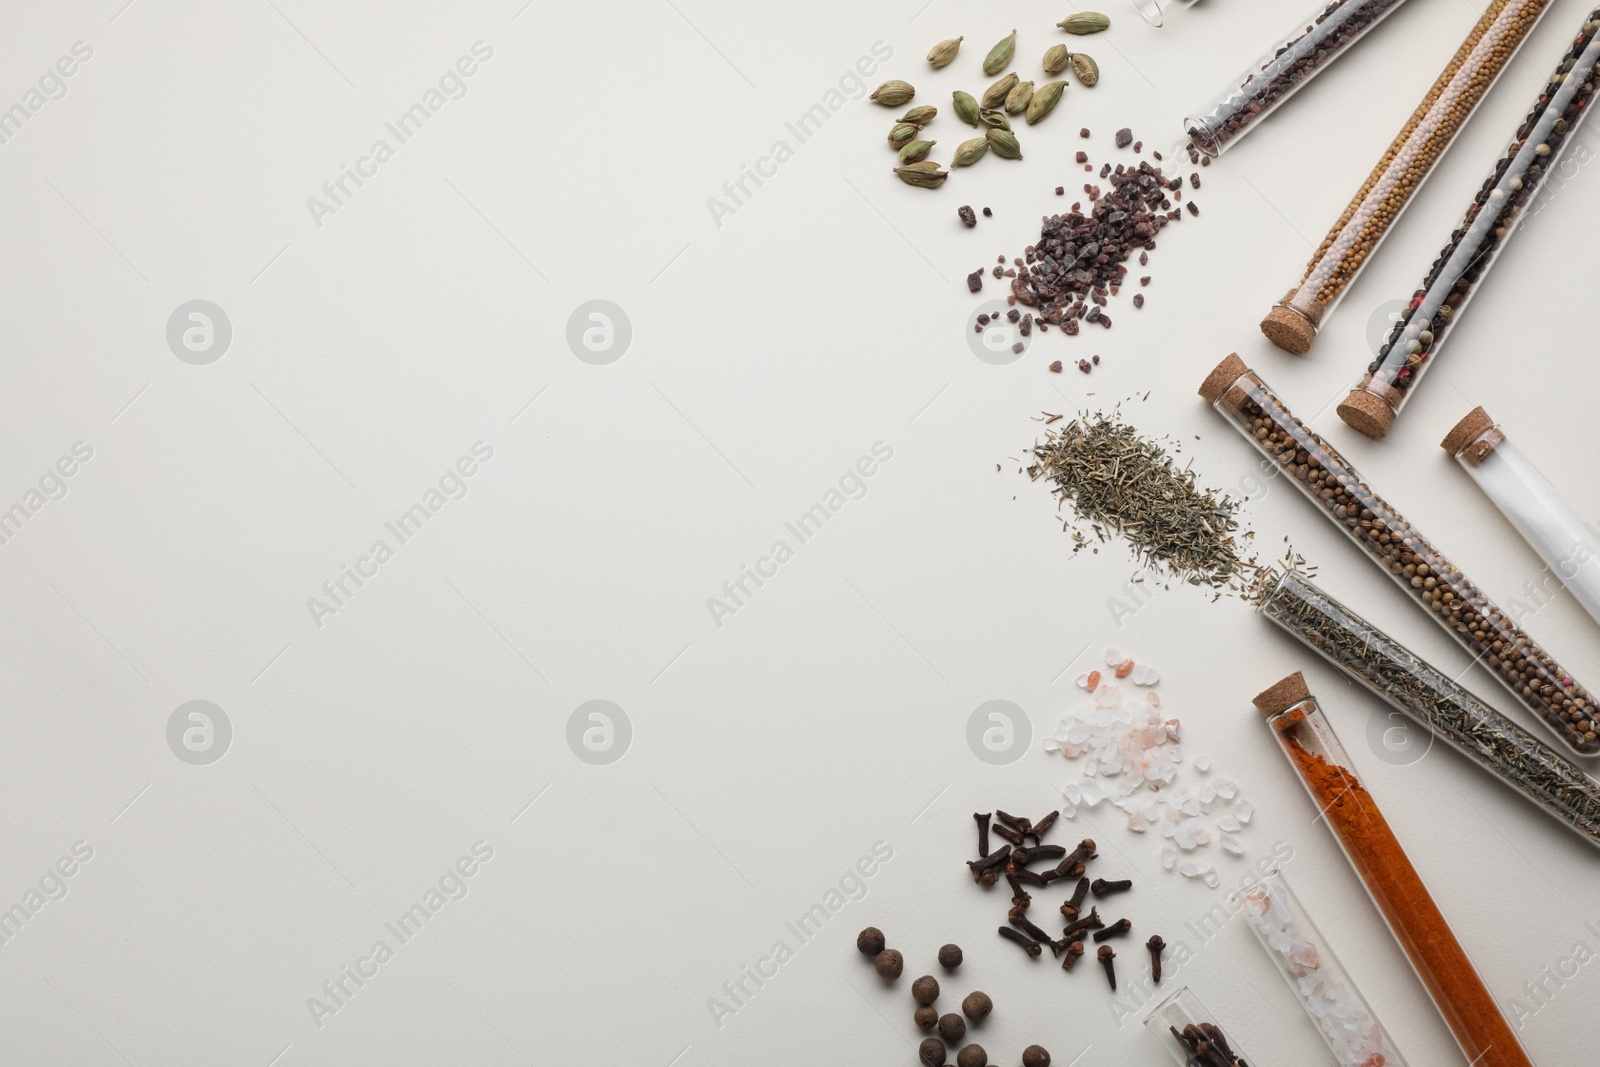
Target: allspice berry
977	1007
972	1056
889	963
931	1052
1035	1056
950	957
869	942
952	1027
925	990
927	1018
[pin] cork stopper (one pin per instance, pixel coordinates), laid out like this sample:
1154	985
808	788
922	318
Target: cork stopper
1367	413
1289	329
1280	695
1225	374
1462	434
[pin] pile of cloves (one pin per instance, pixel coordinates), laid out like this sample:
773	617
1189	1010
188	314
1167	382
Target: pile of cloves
1206	1046
1024	846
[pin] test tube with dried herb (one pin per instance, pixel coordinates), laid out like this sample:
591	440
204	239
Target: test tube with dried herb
1278	73
1536	148
1394	885
1433	700
1292	323
1426	575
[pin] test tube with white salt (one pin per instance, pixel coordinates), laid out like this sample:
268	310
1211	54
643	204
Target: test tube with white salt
1316	977
1568	546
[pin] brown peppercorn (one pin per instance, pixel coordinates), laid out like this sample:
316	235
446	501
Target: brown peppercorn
950	957
931	1052
977	1006
889	964
952	1027
972	1056
927	1018
869	942
925	990
1035	1056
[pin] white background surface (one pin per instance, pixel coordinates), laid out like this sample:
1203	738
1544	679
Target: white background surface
768	353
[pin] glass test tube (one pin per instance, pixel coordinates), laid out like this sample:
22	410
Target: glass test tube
1280	71
1434	701
1397	891
1315	976
1568	546
1430	579
1535	150
1350	244
1182	1024
1155	12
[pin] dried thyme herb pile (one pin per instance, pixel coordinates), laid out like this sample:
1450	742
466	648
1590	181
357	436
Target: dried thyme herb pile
1122	484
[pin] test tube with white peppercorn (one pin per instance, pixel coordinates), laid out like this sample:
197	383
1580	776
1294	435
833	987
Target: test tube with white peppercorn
1292	323
1425	574
1518	178
1569	546
1278	73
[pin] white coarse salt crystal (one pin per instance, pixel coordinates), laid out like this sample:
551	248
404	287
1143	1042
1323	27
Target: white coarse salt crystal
1113	657
1174	729
1052	745
1213	879
1169	857
1231	844
1106	696
1169	828
1190	806
1228	824
1207	793
1091	794
1202	764
1189	869
1224	787
1091	767
1153	699
1243	810
1083	680
1144	674
1071	793
1137	823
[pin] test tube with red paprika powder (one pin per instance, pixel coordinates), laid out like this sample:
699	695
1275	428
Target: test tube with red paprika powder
1397	891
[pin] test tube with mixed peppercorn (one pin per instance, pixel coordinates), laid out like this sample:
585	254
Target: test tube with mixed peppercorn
1279	72
1429	578
1517	179
1349	245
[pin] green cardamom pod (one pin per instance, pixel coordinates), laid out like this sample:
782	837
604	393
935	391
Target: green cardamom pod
920	116
966	107
916	151
1004	143
924	175
893	93
1045	99
1056	59
1017	99
1087	70
1084	22
902	134
942	53
995	95
969	152
1000	55
995	119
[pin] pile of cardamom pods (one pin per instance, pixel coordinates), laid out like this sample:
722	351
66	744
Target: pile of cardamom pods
1008	96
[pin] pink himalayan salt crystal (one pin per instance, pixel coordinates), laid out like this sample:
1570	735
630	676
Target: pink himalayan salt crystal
1124	668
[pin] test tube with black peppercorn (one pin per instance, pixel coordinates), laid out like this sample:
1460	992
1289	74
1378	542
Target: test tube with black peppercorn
1433	700
1292	323
1568	545
1515	182
1278	73
1330	482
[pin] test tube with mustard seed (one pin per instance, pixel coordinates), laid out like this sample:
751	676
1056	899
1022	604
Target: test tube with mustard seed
1517	184
1313	43
1292	323
1386	872
1569	546
1425	574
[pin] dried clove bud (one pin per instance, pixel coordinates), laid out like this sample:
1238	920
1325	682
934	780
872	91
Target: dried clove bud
1041	827
1090	921
1116	929
1106	955
1074	953
1030	946
982	819
1155	945
1021	922
1103	888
